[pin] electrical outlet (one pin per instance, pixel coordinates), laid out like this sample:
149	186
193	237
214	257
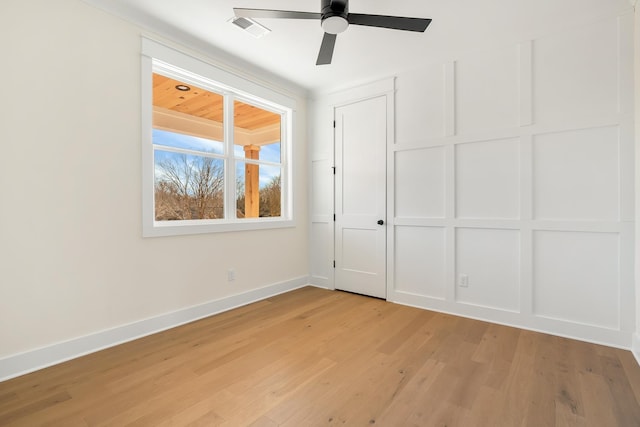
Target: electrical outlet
463	281
231	275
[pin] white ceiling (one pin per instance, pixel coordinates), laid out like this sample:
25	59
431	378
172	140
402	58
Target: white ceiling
361	53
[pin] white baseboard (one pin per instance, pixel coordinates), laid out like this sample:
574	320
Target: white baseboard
563	328
320	282
33	360
635	346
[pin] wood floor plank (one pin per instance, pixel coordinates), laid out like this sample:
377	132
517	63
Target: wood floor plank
33	408
315	357
626	403
595	391
630	366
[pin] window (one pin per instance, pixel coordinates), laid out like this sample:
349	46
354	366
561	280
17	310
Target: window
216	148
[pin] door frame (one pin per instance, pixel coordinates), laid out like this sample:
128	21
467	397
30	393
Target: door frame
384	87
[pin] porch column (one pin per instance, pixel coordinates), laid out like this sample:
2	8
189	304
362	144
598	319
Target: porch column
251	183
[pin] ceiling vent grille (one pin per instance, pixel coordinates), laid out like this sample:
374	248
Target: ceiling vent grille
250	26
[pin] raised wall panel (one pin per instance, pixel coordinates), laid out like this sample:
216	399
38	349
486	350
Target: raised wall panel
320	249
486	90
576	277
420	261
419	183
488	179
491	260
322	191
575	74
576	175
420	104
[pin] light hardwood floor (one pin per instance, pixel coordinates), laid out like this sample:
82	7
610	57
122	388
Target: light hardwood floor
314	357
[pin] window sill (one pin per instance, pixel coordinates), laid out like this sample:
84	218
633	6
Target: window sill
181	228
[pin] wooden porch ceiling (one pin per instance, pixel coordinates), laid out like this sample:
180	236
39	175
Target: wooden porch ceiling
207	105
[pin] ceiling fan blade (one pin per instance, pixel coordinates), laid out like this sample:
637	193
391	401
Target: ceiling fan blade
392	22
279	14
326	49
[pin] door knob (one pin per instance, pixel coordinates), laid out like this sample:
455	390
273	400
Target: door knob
380	222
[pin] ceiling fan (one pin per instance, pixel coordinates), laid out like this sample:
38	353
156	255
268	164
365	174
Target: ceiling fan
335	18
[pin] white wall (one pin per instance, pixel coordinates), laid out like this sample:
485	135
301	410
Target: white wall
72	258
636	40
524	156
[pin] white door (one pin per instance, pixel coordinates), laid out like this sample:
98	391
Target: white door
360	227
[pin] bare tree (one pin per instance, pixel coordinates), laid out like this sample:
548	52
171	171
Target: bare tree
270	198
189	187
207	186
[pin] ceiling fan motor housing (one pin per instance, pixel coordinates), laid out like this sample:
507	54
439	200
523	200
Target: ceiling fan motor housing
334	16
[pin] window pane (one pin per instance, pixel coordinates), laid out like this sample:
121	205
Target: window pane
189	112
178	140
188	187
259	192
256	133
271	152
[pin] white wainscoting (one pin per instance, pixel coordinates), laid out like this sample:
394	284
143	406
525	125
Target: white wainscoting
321	230
514	166
526	190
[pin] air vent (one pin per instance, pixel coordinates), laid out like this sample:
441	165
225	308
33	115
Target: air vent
250	26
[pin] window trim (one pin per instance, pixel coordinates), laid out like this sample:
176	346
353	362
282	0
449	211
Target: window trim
170	62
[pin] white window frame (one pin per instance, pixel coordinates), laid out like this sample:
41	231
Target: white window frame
159	58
